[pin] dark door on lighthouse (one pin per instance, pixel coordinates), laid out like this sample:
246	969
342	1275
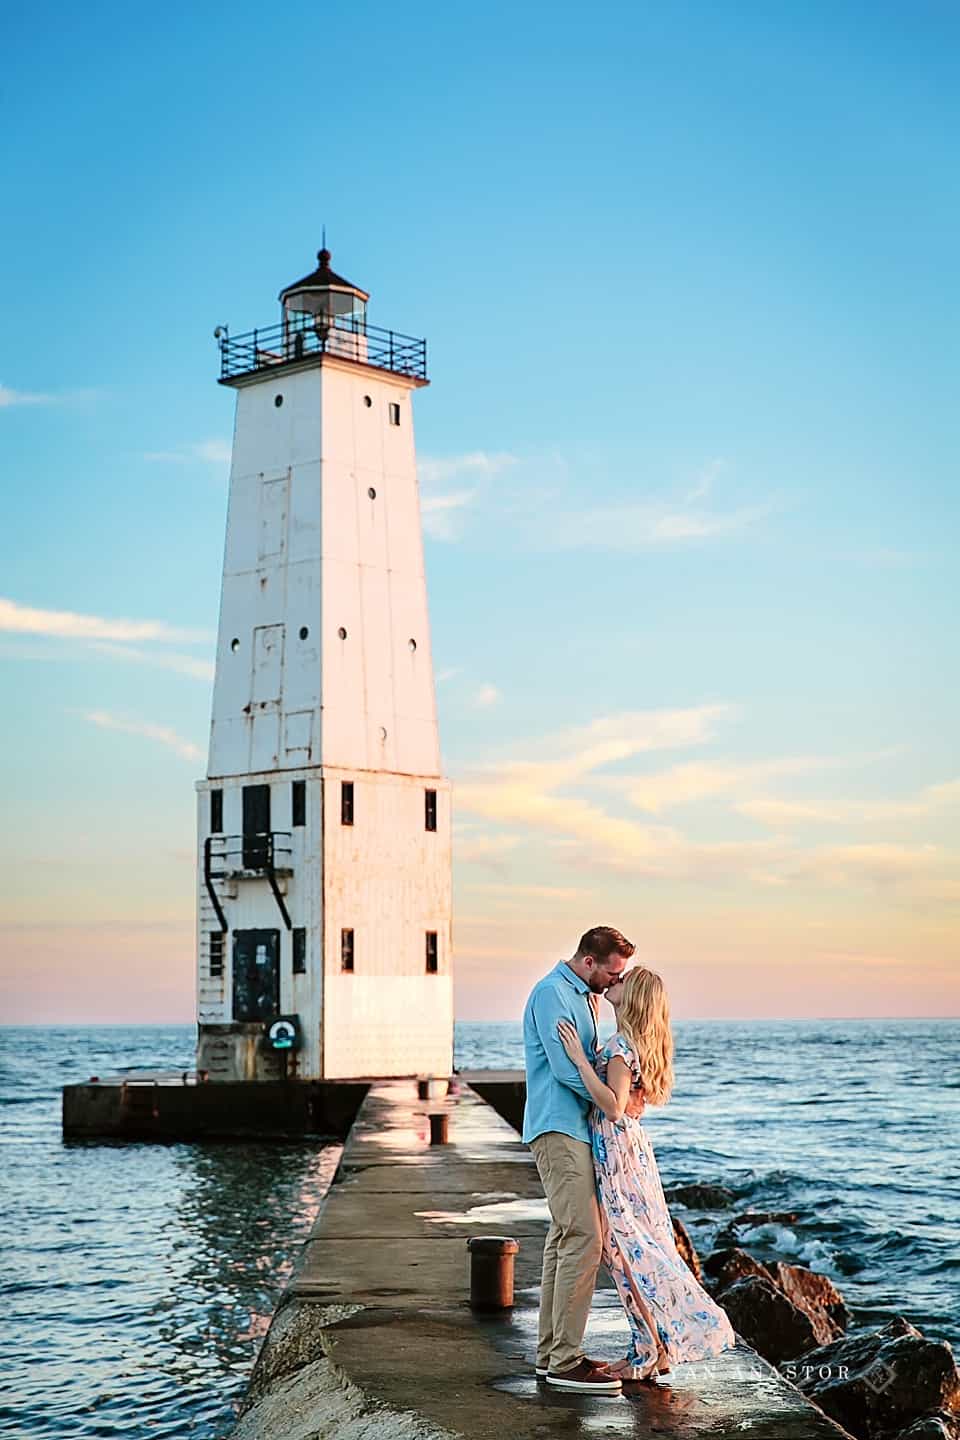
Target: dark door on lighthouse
256	974
256	826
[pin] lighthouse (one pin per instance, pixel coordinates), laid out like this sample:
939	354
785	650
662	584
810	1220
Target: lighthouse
324	887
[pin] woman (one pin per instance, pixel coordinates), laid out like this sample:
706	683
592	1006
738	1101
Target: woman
672	1318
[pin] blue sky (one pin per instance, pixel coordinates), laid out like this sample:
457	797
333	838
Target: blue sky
688	279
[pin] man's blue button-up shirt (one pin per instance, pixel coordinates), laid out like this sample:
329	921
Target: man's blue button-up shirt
557	1098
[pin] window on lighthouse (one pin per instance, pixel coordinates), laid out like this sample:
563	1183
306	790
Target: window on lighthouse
346	950
394	413
429	809
298	802
346	802
216	952
433	961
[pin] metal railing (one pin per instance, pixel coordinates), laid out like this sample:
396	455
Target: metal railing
261	852
343	337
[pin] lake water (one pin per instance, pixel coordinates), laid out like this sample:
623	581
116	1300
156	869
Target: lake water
139	1279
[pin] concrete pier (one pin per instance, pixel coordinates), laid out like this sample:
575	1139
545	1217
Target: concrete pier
374	1335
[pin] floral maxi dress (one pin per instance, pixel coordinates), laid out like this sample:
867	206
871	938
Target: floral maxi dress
654	1282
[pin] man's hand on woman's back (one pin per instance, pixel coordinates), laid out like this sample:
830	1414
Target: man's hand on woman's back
635	1104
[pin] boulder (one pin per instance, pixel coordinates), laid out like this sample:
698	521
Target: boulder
686	1247
760	1312
933	1427
879	1384
724	1266
700	1197
813	1292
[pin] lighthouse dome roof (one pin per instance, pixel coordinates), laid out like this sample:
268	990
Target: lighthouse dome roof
323	278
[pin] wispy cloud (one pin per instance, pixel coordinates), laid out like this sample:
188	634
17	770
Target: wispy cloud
687	784
441	515
158	659
922	872
441	469
509	891
485	849
69	624
443	510
531	793
644	525
559	797
486	696
211	452
548	517
160	734
931	800
631	732
9	398
93	927
704	481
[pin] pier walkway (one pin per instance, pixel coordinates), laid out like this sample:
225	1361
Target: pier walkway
374	1335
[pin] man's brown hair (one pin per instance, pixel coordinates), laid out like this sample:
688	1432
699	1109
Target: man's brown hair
601	942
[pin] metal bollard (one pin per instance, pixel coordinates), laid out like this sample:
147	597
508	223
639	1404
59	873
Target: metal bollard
491	1271
423	1089
439	1128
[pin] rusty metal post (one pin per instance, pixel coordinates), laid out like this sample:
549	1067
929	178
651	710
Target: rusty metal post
491	1271
439	1128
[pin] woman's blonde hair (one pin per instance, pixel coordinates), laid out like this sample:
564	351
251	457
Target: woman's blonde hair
644	1018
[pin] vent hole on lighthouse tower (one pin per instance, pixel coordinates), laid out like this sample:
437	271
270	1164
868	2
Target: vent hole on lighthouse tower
342	633
412	643
304	632
372	493
234	645
278	401
367	401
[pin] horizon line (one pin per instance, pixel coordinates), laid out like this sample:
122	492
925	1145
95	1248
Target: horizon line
677	1020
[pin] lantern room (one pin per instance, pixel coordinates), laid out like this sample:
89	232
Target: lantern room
323	301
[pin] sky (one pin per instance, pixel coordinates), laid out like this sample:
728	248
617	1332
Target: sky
688	279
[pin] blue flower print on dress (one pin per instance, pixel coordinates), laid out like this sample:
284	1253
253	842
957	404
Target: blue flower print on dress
661	1297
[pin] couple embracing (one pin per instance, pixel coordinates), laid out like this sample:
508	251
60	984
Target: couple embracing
599	1173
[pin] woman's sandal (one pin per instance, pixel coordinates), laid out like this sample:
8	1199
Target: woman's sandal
658	1366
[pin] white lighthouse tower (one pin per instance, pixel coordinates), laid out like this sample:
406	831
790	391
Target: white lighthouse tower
324	820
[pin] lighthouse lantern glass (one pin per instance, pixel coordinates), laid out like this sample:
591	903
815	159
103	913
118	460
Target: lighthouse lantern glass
308	309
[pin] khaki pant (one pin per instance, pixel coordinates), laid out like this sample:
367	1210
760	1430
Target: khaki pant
571	1252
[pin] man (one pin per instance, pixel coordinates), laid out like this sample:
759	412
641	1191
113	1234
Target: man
555	1128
